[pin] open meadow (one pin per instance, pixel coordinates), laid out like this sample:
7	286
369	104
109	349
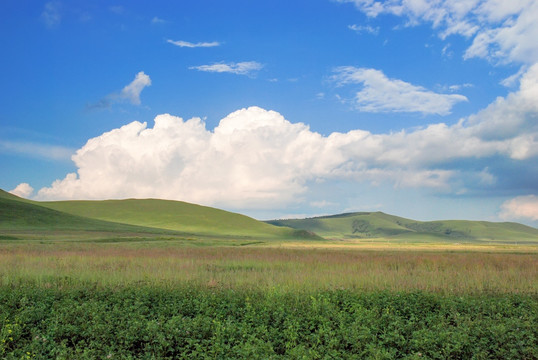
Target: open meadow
293	266
153	279
168	299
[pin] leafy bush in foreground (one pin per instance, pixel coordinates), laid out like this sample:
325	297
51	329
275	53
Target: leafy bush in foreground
199	323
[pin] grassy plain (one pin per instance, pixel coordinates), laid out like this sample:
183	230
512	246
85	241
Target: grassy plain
208	299
372	266
126	280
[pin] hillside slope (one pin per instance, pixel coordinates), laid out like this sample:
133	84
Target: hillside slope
173	215
381	225
20	215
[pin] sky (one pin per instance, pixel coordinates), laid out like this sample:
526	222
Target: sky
275	109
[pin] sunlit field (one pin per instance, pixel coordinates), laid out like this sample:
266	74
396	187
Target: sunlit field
186	299
444	269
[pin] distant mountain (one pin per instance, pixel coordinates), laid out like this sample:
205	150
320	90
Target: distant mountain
363	225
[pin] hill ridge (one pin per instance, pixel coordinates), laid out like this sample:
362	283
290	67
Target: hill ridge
364	225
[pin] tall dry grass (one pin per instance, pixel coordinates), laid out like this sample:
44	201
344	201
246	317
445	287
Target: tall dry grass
270	268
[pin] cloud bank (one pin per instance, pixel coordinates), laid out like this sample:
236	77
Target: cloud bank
381	94
255	158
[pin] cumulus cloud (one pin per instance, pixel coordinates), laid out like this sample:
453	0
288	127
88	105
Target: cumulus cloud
514	116
255	158
240	68
521	207
130	93
23	190
382	94
187	44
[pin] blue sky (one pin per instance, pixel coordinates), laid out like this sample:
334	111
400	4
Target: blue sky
427	110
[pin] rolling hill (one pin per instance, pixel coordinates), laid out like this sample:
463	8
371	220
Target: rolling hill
18	214
135	215
171	215
380	225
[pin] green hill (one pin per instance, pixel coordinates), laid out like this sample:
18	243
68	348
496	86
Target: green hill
171	215
20	215
380	225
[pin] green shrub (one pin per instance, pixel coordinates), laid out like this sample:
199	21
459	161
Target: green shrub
199	323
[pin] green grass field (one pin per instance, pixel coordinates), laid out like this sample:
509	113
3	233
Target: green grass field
165	300
152	279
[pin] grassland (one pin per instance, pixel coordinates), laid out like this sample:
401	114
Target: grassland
111	280
169	264
166	300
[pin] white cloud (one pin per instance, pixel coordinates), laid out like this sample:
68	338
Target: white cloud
132	91
51	14
117	9
44	151
240	68
458	87
187	44
322	204
521	207
23	190
256	158
158	20
382	94
364	29
504	31
515	116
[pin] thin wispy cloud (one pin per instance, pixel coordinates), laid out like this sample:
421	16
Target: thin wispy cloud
364	29
187	44
51	14
240	68
37	150
382	94
158	20
117	9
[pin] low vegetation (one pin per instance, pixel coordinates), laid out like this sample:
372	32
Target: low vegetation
201	323
80	280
